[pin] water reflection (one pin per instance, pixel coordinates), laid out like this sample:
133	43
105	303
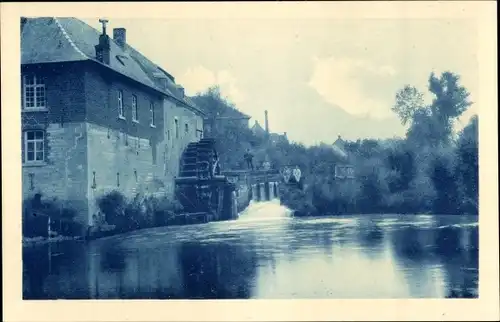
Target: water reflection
448	253
370	234
271	257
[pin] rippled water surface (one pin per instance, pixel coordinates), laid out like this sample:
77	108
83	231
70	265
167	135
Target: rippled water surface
266	254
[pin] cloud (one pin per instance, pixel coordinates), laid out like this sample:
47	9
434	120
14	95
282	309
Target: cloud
339	82
198	79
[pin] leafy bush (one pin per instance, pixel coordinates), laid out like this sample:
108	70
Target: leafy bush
36	214
139	212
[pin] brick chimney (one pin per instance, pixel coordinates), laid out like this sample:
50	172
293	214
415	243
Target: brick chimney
266	122
23	22
102	50
120	36
181	90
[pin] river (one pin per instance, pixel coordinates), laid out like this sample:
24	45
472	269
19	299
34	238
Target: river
266	254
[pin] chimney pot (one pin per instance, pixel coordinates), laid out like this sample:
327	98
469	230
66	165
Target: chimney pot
120	36
103	22
102	49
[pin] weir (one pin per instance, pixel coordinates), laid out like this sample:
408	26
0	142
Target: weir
208	193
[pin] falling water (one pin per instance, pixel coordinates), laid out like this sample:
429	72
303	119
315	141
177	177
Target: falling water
265	210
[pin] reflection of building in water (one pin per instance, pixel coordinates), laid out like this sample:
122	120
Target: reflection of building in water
49	272
118	273
217	271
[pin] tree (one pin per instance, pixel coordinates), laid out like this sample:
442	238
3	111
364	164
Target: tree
424	130
432	125
408	100
467	166
450	101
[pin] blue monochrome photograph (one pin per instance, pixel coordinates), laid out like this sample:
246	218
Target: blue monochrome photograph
249	159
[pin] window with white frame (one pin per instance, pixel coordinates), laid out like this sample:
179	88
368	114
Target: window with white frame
34	146
152	113
135	115
34	92
121	112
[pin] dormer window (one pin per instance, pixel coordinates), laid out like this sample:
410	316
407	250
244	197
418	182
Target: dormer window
34	93
121	59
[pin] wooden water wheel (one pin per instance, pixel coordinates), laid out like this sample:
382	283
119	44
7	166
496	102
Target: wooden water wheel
199	181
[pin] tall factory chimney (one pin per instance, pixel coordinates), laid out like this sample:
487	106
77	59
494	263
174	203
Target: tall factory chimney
267	123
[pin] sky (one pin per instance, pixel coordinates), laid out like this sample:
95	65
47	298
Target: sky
318	78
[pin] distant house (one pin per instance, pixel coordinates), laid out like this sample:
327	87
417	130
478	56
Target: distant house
343	168
257	129
97	116
277	138
225	117
217	112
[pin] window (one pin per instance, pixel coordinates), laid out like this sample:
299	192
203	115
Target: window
34	146
121	112
186	128
176	128
34	93
135	116
152	114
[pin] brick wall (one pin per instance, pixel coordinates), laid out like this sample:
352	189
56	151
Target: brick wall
119	162
86	142
101	92
172	146
64	88
63	173
136	164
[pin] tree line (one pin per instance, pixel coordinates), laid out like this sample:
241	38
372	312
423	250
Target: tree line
431	169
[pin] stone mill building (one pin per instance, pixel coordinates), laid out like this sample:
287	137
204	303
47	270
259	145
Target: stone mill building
97	116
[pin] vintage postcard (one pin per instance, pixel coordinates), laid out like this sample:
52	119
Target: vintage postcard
249	161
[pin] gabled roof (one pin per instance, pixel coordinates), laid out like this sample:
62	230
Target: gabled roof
51	40
339	147
234	113
161	78
257	128
216	107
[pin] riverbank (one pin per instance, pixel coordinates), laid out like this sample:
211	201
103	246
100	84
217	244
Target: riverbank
35	241
312	202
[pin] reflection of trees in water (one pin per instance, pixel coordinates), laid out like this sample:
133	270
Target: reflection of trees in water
369	234
457	248
308	235
112	258
217	271
452	246
407	243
